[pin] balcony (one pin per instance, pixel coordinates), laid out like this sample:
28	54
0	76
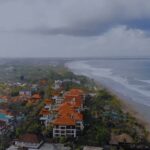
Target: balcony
64	131
43	118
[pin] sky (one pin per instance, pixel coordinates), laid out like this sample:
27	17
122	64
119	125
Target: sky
74	28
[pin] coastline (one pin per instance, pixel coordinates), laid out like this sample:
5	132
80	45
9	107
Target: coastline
128	106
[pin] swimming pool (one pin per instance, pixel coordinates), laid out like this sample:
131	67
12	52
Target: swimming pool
5	117
2	101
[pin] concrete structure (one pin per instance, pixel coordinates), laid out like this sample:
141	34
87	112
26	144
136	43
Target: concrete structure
25	93
92	148
30	141
69	121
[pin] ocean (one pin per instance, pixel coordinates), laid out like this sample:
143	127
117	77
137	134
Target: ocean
128	77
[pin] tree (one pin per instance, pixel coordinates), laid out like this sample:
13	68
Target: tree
49	90
34	128
102	135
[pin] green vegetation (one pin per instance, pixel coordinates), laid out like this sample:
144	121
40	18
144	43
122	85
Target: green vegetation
104	117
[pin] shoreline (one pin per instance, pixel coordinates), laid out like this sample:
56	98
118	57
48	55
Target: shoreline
128	105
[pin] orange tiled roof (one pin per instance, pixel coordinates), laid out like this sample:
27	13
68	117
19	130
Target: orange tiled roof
66	111
29	138
6	112
75	115
78	116
70	105
48	101
44	112
4	97
56	92
36	96
76	104
76	92
65	106
64	120
70	97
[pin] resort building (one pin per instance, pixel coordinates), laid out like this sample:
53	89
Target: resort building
64	113
69	121
25	93
45	117
64	126
34	98
76	97
57	84
48	104
48	112
58	100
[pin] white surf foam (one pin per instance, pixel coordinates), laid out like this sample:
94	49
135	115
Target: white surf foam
145	81
81	67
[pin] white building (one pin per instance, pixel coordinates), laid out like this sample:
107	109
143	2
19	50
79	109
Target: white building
25	93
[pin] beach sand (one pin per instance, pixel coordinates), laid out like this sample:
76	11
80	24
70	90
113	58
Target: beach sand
137	110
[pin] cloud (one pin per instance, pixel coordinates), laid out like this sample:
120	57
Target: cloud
73	17
120	41
56	28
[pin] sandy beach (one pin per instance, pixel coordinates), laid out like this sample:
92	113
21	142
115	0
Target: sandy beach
132	103
136	110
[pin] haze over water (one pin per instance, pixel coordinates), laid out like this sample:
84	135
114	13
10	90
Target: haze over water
128	77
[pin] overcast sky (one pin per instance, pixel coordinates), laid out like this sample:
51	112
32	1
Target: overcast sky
73	28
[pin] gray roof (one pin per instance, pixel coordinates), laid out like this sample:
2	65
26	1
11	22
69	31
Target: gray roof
92	148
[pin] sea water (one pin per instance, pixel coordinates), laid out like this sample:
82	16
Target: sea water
128	77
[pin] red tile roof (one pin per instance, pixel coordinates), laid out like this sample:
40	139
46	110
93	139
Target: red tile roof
48	101
36	96
29	138
64	120
76	94
71	113
45	112
67	114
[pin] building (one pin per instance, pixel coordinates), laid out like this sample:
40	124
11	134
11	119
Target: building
30	141
122	138
25	93
45	146
71	110
75	96
64	113
4	99
57	84
69	120
48	104
34	98
58	100
47	113
92	148
64	126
